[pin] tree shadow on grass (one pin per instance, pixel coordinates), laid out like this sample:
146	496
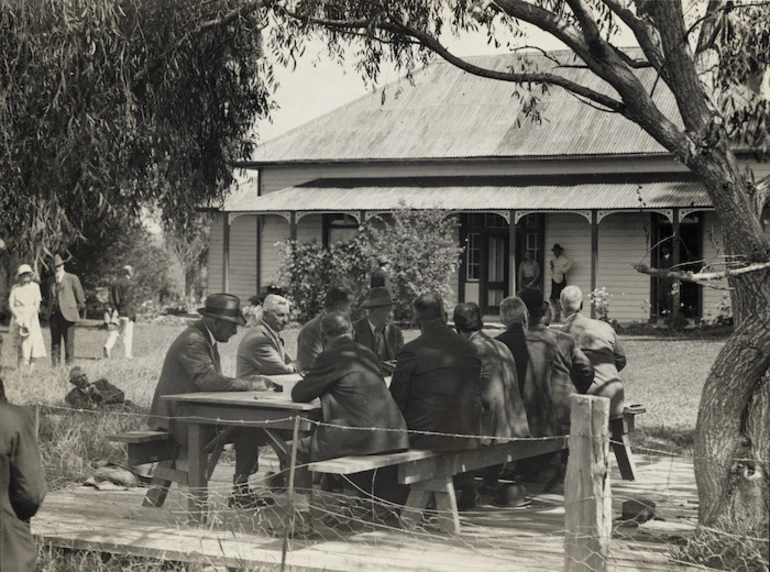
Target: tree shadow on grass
661	440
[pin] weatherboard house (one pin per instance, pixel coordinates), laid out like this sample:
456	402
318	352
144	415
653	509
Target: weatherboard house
584	178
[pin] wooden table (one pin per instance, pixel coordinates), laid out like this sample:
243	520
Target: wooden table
232	409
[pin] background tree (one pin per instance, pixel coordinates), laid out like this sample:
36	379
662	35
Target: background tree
705	53
189	245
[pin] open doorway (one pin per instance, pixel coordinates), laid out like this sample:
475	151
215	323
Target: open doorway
689	244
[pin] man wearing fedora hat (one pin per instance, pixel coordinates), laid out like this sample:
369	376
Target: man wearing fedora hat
65	302
376	331
192	364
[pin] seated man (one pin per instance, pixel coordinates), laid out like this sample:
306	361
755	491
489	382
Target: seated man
437	386
309	342
514	316
87	395
504	415
353	395
570	370
600	343
261	350
191	365
376	332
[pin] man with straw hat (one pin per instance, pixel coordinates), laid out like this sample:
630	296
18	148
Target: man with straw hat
192	364
376	331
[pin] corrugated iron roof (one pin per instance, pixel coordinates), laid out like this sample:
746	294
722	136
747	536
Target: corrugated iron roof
449	113
489	193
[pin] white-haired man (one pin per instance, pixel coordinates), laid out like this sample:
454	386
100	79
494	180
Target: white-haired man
600	343
261	350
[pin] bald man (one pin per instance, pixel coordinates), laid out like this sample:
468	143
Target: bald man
261	350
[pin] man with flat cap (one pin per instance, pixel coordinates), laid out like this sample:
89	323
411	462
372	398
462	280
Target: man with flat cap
65	302
192	364
376	331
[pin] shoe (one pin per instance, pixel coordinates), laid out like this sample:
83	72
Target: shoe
249	501
105	353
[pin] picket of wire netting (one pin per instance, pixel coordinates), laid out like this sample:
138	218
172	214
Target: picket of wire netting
485	529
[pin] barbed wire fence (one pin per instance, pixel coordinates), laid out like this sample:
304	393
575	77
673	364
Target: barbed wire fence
651	523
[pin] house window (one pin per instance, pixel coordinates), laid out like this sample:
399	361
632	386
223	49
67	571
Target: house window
532	242
473	257
339	228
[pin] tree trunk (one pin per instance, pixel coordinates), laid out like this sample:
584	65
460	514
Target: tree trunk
732	441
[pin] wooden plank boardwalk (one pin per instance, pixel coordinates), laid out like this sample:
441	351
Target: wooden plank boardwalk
493	539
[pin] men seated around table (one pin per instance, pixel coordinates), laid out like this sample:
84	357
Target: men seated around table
504	416
355	402
309	342
376	331
514	316
261	350
568	369
600	343
437	386
191	365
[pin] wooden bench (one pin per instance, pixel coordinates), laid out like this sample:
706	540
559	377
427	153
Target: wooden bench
429	473
148	446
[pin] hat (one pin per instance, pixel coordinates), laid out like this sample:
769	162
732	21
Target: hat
512	496
639	510
223	307
383	259
377	297
128	268
558	247
57	261
24	269
533	299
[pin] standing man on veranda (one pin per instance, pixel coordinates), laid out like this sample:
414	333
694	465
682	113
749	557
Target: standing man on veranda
65	302
560	266
121	300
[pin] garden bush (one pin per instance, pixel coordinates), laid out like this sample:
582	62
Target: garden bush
421	245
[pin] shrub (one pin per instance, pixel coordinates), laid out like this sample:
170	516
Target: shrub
600	299
421	245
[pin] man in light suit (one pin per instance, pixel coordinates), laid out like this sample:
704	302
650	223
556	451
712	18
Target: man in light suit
65	302
376	331
192	364
600	343
261	350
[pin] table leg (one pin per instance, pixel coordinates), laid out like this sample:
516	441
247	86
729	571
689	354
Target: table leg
197	483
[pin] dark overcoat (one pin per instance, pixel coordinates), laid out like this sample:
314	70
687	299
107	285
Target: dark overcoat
22	488
516	341
437	386
309	343
394	338
346	377
504	415
191	365
121	297
69	294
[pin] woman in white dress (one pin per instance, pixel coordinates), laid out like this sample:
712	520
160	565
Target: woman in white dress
24	302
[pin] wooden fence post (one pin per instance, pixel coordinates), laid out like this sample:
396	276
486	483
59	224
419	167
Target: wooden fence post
587	500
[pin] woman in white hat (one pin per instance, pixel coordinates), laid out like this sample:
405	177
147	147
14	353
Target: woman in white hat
24	302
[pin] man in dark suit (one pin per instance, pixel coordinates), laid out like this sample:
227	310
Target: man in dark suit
376	331
192	364
346	377
121	301
513	315
309	341
65	302
22	486
381	275
437	386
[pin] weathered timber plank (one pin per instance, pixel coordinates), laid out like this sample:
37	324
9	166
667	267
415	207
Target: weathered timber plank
146	436
357	464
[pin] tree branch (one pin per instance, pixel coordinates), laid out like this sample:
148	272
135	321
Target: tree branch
687	276
645	34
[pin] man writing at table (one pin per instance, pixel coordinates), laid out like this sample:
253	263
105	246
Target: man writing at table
355	403
192	364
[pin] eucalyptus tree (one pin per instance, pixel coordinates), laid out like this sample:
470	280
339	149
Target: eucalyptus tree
712	57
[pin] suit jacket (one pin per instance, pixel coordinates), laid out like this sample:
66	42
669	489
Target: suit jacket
22	488
347	379
504	415
380	278
600	343
191	365
394	338
70	297
121	298
309	343
571	370
261	351
516	341
437	387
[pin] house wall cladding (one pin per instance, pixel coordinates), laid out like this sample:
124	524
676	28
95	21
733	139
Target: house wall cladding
573	233
243	257
713	253
623	241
